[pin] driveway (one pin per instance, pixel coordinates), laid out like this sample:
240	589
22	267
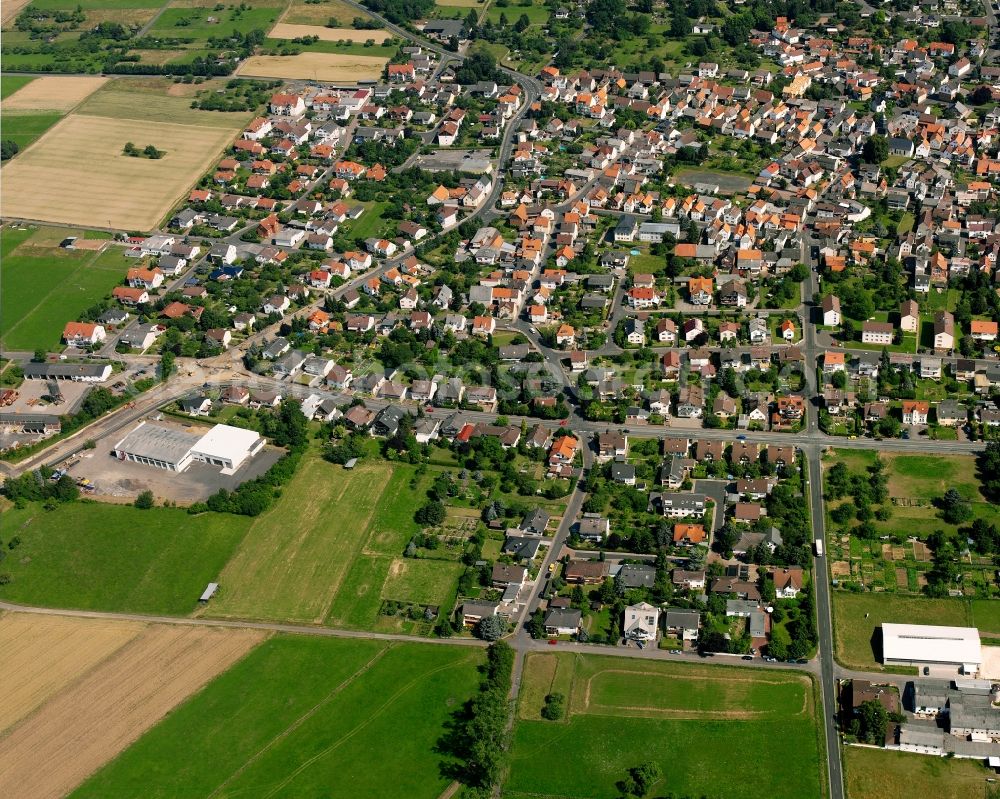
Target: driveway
716	490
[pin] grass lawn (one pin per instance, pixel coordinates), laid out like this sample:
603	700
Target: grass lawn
302	716
11	83
25	128
854	634
192	23
112	557
646	264
46	286
330	551
371	222
940	300
875	774
905	223
719	720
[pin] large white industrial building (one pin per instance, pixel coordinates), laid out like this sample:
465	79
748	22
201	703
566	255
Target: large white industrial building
174	449
920	645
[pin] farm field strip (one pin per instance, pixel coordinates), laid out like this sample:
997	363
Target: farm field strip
40	655
284	30
363	719
337	68
293	573
53	93
84	726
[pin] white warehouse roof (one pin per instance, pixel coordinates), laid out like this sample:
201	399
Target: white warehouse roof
226	442
929	643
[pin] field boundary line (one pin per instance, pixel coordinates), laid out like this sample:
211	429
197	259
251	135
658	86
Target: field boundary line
368	720
303	718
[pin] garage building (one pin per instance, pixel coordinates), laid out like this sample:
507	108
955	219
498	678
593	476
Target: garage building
929	645
174	449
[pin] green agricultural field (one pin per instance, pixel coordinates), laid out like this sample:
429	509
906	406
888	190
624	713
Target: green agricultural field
148	101
305	716
11	83
875	774
718	720
330	551
46	286
193	23
25	128
536	13
113	557
857	616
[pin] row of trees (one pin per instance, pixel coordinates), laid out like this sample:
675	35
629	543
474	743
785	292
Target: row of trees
479	735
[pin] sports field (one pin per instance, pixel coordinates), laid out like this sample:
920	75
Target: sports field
45	286
305	716
879	774
114	557
713	723
77	173
108	706
339	68
329	551
856	617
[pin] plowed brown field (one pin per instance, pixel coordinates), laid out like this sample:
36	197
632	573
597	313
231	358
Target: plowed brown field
51	751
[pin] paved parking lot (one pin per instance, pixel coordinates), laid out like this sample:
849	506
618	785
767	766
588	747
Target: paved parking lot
122	481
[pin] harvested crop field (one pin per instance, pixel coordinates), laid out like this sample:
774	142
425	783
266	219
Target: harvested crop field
336	68
319	13
285	31
11	8
77	174
91	721
53	93
40	655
